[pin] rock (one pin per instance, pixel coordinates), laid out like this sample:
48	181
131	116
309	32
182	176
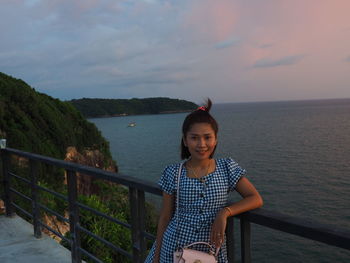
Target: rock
94	158
2	207
55	224
86	184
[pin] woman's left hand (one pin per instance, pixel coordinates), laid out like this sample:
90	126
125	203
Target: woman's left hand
218	228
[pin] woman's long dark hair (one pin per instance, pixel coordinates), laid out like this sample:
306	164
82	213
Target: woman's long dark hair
201	115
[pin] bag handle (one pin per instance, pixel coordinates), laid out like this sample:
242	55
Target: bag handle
177	204
211	247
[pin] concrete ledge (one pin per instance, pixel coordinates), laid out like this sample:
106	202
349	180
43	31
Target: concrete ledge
18	244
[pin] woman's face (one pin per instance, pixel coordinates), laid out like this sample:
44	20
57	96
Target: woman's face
200	141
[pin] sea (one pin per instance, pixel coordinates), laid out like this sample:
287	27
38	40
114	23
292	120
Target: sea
296	153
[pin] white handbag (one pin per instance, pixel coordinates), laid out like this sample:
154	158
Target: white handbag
186	254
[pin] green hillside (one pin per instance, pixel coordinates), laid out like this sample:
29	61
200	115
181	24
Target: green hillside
35	122
114	107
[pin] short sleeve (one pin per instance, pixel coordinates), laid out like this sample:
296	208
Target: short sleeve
167	180
235	172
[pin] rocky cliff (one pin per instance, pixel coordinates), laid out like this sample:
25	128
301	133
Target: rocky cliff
93	158
86	184
35	122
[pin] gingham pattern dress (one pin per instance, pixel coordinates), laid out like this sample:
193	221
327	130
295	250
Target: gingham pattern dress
199	203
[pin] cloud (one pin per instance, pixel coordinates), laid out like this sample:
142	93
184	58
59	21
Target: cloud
284	61
210	21
268	45
128	48
233	41
150	1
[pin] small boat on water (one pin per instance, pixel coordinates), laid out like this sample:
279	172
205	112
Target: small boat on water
132	124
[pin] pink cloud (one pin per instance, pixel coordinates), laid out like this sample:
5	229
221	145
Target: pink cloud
211	20
294	27
298	47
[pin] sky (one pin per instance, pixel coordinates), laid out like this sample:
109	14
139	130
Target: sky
227	50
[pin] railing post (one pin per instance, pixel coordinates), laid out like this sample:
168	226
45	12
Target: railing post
34	168
230	240
73	215
245	240
7	183
137	206
142	217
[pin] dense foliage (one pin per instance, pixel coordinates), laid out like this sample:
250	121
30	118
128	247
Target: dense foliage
113	107
117	206
38	123
35	122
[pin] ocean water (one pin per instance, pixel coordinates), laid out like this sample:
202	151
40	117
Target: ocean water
297	154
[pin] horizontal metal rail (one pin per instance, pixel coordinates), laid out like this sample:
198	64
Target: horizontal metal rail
52	192
327	234
107	243
62	218
119	178
19	177
148	235
20	194
90	255
55	232
22	210
104	215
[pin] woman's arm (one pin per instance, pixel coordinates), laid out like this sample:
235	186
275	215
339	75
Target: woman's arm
164	218
251	200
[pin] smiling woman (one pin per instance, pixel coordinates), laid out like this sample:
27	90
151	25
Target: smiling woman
197	127
199	187
200	141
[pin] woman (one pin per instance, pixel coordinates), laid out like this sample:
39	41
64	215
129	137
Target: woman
203	192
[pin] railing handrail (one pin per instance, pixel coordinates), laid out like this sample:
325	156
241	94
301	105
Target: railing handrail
327	234
118	178
309	229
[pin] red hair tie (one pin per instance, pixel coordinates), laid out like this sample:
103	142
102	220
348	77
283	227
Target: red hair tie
202	108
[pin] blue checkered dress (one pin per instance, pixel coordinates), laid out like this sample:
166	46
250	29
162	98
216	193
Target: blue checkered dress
199	203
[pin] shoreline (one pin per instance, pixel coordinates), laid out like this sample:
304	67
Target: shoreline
127	114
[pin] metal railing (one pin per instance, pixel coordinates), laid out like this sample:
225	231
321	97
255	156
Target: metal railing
137	188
